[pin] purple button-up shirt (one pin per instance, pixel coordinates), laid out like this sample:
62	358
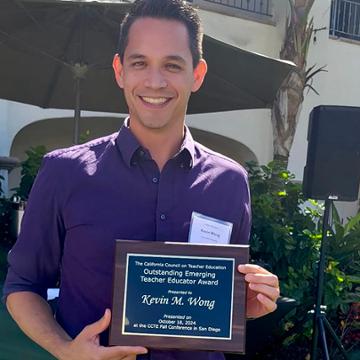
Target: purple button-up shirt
87	196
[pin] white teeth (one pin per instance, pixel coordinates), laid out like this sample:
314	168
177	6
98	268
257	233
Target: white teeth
155	101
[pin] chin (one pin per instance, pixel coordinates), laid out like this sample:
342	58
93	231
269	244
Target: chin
154	124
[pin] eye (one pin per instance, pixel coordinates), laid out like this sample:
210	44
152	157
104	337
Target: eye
138	64
173	67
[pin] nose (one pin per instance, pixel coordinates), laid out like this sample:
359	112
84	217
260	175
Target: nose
155	79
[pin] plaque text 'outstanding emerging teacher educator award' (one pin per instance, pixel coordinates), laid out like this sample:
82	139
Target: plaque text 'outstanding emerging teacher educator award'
179	295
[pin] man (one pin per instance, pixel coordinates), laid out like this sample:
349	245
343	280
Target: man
143	183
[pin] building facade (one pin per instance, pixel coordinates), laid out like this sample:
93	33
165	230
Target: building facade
255	25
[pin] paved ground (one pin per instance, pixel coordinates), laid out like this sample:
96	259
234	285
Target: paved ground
14	345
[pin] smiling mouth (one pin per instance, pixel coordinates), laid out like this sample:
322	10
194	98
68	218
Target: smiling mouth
155	100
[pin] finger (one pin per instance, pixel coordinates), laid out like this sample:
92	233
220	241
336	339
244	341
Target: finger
269	304
98	326
252	269
122	351
268	279
271	292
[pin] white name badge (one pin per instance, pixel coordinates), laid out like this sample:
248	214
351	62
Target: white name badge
208	230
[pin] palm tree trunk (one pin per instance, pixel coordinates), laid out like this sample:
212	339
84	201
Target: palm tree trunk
287	105
285	114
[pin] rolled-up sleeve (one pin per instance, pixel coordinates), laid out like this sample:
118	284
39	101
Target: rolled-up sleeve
34	261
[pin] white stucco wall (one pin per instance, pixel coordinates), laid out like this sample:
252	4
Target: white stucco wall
247	34
5	139
15	116
250	127
340	85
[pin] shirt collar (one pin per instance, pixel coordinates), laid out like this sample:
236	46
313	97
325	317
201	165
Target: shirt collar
127	143
186	153
130	148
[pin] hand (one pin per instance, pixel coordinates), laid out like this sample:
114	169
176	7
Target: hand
86	345
263	290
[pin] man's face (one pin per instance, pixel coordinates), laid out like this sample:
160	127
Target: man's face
157	73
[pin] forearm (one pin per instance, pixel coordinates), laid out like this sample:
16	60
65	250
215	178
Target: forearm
34	316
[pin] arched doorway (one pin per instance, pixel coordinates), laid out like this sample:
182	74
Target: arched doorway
224	145
57	133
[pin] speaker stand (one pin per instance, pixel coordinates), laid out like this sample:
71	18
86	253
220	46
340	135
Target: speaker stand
320	322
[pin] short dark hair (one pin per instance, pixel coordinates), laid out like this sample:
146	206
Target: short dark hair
178	10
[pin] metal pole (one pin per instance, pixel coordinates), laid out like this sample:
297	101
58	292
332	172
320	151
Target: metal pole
323	339
77	111
320	278
336	339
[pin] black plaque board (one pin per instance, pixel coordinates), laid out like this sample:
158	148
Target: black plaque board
179	296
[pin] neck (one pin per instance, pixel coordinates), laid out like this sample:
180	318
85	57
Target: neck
161	143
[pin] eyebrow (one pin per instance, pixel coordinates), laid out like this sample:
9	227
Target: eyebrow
177	58
135	56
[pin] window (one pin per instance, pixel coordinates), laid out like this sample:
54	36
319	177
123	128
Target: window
261	7
345	19
254	9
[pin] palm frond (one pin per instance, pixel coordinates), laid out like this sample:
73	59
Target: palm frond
310	73
311	88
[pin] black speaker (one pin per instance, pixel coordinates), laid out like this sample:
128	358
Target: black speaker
332	168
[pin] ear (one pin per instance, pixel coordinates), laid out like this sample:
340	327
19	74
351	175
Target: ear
199	75
118	70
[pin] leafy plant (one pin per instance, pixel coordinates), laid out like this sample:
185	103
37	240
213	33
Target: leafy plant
286	237
285	232
343	270
342	291
85	137
29	170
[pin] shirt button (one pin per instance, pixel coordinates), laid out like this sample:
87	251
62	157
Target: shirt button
141	152
162	216
155	180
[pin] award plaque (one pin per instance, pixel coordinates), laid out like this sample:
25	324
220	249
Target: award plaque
179	296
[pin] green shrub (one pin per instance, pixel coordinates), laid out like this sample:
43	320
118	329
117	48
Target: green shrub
286	236
285	231
342	291
343	268
29	170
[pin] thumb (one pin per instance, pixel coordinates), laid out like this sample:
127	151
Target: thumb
98	326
